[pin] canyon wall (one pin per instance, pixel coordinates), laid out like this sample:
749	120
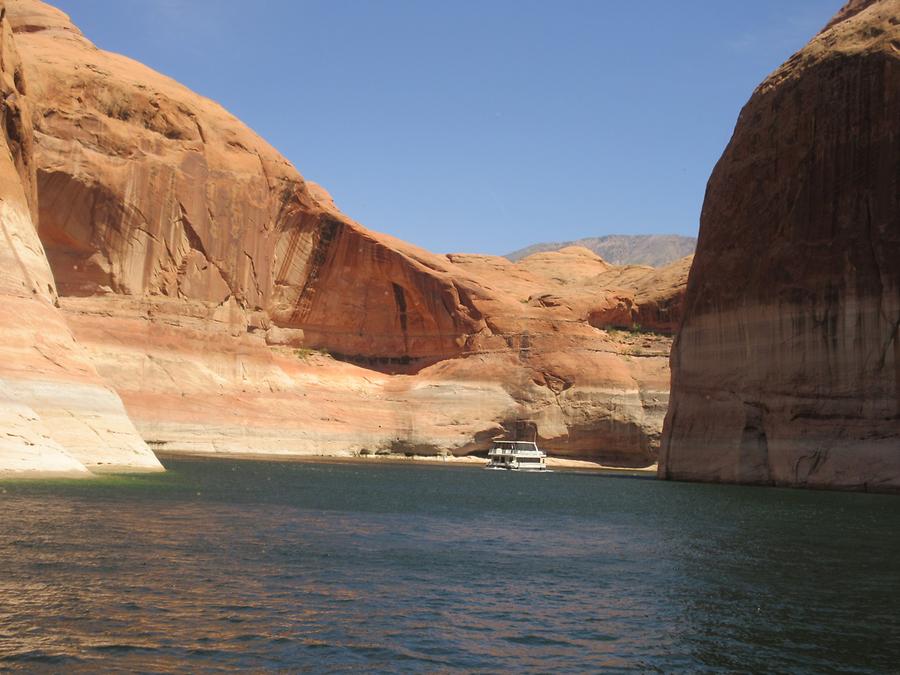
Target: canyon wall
57	417
235	309
786	369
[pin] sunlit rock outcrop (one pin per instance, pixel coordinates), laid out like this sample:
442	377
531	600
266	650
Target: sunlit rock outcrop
234	308
57	417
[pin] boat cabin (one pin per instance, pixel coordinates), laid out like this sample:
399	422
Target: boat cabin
516	456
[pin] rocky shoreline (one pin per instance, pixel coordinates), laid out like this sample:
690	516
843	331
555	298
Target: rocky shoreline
554	463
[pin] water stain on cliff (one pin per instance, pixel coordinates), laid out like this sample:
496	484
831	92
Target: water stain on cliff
400	299
754	449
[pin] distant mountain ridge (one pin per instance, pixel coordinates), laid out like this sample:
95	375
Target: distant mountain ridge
655	250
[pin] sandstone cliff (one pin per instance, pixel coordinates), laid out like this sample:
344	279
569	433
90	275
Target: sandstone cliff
787	366
234	308
56	415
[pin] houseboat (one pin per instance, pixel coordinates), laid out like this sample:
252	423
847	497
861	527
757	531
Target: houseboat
516	456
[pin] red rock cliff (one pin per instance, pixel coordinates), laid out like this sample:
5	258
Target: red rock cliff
236	309
149	189
787	366
56	414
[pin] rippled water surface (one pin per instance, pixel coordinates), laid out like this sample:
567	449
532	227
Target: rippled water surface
302	566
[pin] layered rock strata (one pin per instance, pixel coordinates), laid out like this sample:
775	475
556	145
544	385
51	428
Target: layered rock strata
235	309
787	367
57	417
192	383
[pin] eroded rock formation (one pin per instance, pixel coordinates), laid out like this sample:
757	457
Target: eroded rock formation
787	366
56	414
235	309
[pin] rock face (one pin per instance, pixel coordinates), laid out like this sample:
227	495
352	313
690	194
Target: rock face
787	367
147	189
235	309
57	417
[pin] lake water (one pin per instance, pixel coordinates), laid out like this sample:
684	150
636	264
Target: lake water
228	565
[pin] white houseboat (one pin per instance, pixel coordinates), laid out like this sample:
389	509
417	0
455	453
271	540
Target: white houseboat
517	456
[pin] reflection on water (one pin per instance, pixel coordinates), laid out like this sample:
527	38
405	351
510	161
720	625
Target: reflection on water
258	565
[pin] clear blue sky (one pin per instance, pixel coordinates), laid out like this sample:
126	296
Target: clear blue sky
479	125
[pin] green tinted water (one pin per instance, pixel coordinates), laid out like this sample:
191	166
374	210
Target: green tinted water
258	565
